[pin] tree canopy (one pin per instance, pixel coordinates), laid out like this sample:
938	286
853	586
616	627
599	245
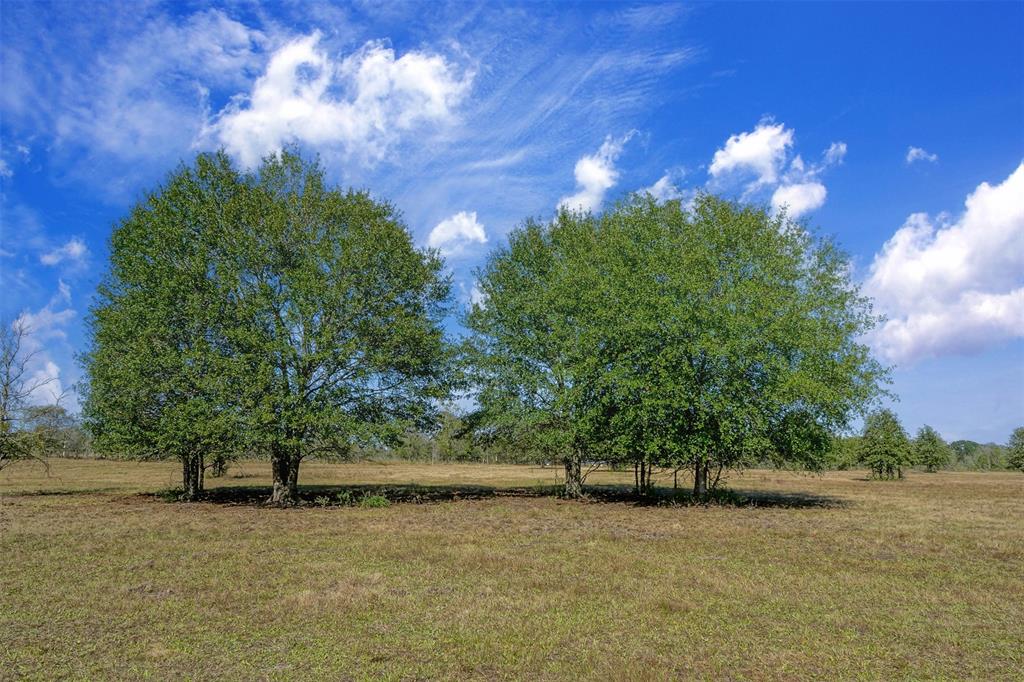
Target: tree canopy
265	311
336	319
704	337
161	377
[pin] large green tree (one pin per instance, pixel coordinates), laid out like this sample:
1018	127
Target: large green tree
160	377
930	451
730	337
531	353
705	337
263	311
884	445
335	319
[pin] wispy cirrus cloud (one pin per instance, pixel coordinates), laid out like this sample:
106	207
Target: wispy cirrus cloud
73	250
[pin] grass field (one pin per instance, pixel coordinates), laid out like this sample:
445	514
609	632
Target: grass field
825	577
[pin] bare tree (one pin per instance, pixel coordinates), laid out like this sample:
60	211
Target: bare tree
17	385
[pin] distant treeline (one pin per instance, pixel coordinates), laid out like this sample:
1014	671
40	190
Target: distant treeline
52	431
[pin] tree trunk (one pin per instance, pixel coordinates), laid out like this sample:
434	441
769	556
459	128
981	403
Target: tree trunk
700	480
192	477
285	469
573	476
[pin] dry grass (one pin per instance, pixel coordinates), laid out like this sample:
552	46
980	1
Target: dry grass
844	578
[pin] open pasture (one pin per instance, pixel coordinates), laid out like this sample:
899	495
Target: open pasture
488	576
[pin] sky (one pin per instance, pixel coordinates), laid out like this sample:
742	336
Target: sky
897	129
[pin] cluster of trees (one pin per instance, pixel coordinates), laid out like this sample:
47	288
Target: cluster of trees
269	313
658	335
885	448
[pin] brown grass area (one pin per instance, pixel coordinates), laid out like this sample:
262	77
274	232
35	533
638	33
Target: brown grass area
828	576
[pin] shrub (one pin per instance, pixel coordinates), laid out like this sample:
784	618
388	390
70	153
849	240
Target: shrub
373	501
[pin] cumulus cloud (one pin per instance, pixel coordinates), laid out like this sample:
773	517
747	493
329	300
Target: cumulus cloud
800	198
953	287
455	233
801	190
918	154
595	175
760	152
361	104
74	250
664	189
472	294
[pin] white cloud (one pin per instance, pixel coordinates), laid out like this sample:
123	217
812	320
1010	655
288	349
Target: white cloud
63	292
363	103
800	191
46	323
477	296
45	383
918	154
455	233
953	287
800	198
5	170
835	154
42	327
761	152
146	96
664	189
595	175
74	250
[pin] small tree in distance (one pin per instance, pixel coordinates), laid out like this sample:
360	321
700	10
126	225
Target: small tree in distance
1015	458
930	451
20	438
884	446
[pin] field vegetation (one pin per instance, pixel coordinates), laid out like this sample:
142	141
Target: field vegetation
479	572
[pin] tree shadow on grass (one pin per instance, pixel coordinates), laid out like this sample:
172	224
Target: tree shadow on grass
721	497
61	492
355	495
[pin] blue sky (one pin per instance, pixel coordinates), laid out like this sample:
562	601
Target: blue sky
897	128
